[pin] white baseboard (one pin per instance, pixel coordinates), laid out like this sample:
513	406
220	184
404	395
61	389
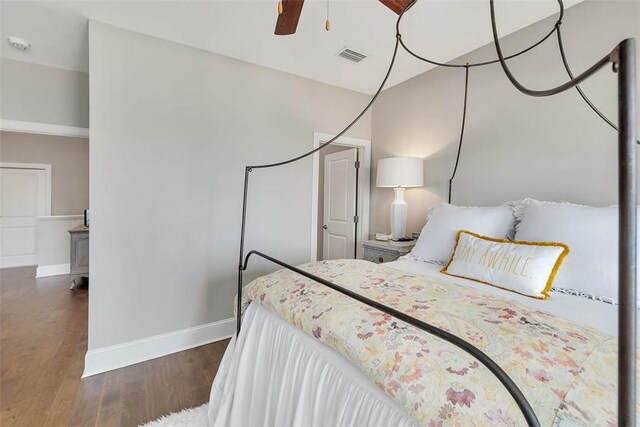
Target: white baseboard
52	270
118	356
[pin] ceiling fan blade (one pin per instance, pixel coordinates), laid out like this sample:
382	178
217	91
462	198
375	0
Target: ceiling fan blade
396	5
288	19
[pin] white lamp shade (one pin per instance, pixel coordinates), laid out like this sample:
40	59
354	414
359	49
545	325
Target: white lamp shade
400	172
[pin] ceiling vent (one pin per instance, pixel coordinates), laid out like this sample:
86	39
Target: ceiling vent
351	55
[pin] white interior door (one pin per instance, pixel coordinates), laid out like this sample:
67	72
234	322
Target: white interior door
339	234
23	197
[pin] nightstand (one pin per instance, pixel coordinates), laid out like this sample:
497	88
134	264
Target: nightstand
378	251
79	266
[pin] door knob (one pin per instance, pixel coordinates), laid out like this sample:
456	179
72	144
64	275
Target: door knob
325	226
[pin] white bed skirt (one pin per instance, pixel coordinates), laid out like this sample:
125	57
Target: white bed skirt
276	375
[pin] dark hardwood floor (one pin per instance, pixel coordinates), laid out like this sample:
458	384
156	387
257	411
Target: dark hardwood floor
43	340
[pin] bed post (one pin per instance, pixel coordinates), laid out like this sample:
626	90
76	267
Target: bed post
627	229
247	170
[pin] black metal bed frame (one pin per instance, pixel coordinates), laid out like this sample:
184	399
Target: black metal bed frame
623	60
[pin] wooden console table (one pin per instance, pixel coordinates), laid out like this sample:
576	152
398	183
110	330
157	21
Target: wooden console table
79	254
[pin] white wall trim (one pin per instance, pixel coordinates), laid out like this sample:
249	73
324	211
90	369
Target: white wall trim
363	195
59	217
52	270
118	356
43	128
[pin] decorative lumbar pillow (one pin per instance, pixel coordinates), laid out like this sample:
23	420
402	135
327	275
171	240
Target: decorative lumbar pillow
437	238
527	268
592	234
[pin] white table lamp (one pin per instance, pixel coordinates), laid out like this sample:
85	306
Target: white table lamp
399	173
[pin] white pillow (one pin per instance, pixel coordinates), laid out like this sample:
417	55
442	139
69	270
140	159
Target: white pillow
437	238
517	209
527	268
592	234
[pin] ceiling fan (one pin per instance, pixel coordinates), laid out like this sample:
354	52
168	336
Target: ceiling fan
289	13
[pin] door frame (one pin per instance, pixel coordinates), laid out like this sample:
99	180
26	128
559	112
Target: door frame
47	174
364	178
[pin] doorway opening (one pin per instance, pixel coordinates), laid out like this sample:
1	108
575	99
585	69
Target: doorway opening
340	197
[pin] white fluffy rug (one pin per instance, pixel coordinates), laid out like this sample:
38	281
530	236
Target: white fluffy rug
192	417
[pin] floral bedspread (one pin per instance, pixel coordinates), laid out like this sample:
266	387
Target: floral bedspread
567	371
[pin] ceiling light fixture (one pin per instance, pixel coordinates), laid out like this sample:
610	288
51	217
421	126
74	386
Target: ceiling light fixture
19	43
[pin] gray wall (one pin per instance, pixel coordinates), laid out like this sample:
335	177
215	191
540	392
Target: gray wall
41	94
515	146
172	128
69	160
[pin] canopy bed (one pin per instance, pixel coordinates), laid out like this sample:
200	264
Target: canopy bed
404	344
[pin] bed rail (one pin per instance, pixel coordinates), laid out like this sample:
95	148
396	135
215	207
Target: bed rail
623	60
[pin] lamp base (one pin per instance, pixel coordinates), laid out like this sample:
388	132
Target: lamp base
398	215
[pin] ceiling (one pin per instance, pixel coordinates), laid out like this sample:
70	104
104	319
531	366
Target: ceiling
243	29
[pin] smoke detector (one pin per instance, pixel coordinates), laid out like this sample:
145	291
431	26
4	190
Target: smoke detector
19	43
